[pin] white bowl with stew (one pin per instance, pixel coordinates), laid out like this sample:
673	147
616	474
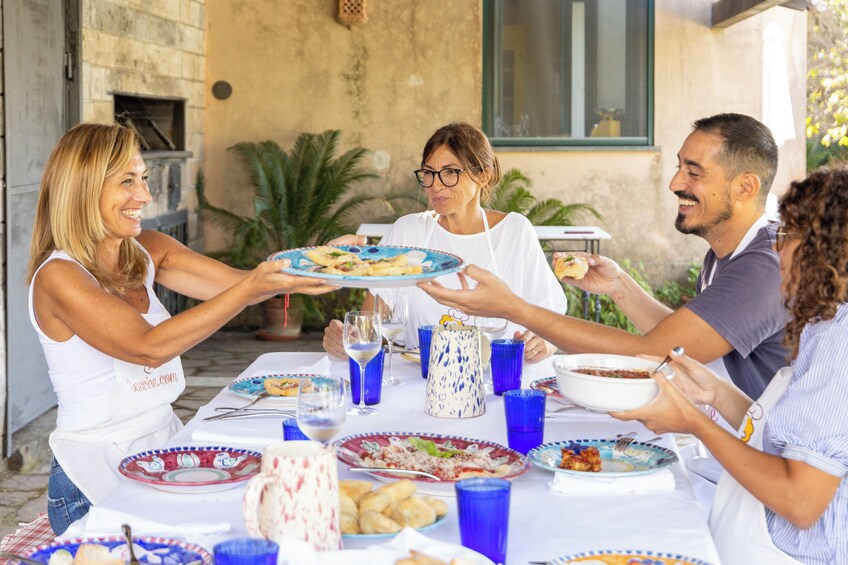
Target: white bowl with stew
606	382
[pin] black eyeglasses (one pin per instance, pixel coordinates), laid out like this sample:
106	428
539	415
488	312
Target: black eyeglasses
448	177
780	240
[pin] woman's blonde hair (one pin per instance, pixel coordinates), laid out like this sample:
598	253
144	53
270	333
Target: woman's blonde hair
472	148
68	216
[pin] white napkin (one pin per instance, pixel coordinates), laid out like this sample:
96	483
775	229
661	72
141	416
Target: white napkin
658	481
106	522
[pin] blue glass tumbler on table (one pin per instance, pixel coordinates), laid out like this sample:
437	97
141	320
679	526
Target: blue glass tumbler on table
246	551
291	431
425	338
525	418
373	379
483	508
507	362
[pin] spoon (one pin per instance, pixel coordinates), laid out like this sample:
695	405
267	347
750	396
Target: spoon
677	351
128	535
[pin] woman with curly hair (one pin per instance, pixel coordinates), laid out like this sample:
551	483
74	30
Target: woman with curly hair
782	498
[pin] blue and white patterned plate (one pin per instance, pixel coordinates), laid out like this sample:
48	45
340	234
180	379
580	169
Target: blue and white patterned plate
251	387
438	522
628	556
434	264
153	550
638	459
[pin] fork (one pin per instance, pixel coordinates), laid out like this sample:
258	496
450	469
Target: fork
260	396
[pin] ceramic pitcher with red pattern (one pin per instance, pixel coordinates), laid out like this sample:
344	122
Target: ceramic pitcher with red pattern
295	495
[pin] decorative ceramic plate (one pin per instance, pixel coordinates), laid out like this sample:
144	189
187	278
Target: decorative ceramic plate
192	469
438	522
363	450
433	263
412	354
159	551
549	386
638	459
627	557
251	387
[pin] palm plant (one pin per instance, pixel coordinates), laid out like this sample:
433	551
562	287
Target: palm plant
300	198
512	194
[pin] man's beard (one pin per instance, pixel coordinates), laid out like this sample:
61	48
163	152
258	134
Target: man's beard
702	230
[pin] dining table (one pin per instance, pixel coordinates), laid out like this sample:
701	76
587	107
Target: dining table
543	525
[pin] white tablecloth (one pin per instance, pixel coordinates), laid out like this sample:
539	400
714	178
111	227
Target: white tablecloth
542	525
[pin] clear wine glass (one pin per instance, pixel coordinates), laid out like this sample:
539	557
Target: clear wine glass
320	408
362	341
493	328
393	309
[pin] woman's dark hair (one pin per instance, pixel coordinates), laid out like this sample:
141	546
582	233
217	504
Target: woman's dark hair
815	211
471	147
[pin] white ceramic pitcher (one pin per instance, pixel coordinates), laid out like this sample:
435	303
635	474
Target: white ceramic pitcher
455	375
295	495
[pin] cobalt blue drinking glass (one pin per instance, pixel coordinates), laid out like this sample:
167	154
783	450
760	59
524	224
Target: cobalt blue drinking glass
246	551
483	505
525	418
291	431
425	337
507	360
373	379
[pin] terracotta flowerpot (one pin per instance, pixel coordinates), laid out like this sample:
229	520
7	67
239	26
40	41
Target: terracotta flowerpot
276	327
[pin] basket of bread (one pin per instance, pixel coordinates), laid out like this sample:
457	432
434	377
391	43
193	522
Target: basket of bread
386	510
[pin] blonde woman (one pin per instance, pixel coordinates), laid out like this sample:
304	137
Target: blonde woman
112	350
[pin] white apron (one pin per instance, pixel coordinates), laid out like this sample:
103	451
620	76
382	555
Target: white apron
738	519
141	419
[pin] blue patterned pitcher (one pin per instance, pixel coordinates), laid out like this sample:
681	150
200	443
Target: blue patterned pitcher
455	380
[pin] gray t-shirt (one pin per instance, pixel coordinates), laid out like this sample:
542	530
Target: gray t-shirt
743	303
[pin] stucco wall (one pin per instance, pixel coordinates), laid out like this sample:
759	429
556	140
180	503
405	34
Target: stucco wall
3	377
417	65
148	48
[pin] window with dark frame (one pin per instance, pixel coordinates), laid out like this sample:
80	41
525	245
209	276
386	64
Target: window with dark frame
159	122
568	72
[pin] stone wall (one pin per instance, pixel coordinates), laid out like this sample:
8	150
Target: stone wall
151	48
415	66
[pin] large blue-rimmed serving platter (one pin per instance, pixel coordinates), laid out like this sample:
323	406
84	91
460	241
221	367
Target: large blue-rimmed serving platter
434	263
251	387
628	556
351	450
152	550
192	469
638	459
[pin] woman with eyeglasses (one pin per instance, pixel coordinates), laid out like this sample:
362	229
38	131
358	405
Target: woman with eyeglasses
458	169
783	497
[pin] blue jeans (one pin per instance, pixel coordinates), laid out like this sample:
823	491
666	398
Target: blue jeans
65	502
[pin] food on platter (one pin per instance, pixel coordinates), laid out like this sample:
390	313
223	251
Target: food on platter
578	457
418	558
87	554
338	262
615	373
629	557
571	266
439	459
386	510
285	386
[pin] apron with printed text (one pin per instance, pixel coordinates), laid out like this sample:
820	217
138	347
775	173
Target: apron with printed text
738	519
141	419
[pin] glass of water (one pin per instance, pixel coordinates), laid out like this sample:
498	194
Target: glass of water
393	309
493	328
362	341
320	408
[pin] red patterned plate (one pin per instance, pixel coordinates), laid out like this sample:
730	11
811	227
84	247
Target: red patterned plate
366	450
192	469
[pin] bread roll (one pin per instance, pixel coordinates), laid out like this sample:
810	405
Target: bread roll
413	512
93	554
374	501
571	267
346	504
349	523
439	506
398	490
371	522
355	489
